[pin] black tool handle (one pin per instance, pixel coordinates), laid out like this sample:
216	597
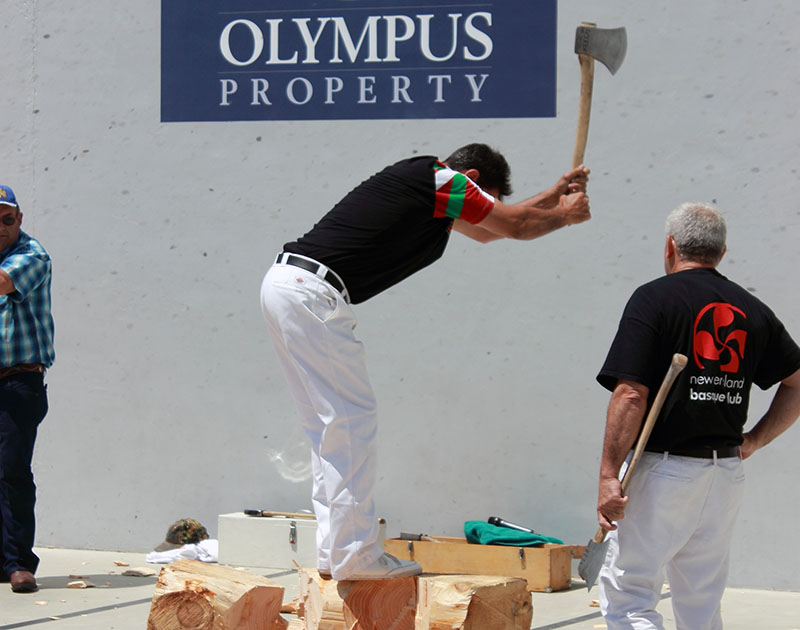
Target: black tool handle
496	520
407	536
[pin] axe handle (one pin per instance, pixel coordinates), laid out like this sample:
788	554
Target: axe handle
675	367
585	108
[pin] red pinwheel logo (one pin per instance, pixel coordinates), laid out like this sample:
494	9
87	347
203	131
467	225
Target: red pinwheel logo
717	336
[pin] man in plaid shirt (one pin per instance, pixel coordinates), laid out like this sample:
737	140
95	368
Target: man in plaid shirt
26	351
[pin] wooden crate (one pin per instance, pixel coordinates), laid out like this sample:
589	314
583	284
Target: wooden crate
546	569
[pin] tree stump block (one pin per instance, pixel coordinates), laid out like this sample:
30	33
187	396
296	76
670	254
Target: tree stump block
359	605
193	595
473	602
427	602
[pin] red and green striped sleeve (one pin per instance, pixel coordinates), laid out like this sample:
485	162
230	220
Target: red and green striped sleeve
458	197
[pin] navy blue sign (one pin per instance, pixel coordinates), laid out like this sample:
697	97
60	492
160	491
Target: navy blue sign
356	59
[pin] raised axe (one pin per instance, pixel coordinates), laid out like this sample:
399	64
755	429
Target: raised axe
595	554
608	46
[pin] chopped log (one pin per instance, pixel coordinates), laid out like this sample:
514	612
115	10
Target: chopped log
428	602
357	605
194	595
473	602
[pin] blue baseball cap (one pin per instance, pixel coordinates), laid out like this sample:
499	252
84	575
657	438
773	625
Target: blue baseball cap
7	197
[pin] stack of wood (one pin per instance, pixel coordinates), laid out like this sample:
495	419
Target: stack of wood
428	602
191	595
194	595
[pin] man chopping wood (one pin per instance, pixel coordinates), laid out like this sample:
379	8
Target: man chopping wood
684	496
389	227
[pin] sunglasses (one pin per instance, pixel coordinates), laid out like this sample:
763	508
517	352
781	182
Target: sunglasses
9	220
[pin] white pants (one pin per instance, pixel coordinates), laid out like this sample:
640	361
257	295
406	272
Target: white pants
312	327
679	517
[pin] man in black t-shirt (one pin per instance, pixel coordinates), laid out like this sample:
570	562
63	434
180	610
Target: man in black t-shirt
684	496
389	227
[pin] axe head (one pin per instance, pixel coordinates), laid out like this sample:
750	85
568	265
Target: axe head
592	561
607	45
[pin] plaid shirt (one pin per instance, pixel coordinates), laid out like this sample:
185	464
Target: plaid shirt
26	325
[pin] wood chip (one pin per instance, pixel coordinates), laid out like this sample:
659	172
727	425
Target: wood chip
291	607
139	572
121	563
40	603
81	584
73	576
595	603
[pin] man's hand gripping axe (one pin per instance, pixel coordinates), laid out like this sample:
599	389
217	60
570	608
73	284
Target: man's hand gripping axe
608	46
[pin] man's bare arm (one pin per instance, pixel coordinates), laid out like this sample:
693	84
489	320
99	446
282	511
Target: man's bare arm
565	203
782	413
475	232
623	422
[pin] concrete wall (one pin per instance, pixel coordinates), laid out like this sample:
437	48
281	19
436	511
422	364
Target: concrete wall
166	397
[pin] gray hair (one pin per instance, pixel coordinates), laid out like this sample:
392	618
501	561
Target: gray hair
699	231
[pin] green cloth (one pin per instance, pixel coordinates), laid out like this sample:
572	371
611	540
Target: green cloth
483	533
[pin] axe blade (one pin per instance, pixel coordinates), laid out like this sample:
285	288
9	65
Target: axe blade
607	45
592	561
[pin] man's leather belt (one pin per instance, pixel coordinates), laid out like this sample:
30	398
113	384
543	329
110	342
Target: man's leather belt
21	369
704	453
309	265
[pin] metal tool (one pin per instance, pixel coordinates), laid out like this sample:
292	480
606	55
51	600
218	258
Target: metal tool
418	537
595	554
496	520
267	513
608	46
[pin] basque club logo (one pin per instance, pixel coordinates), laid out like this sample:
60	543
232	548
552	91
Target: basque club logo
718	335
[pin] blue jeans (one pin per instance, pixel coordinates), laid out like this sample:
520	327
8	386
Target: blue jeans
23	405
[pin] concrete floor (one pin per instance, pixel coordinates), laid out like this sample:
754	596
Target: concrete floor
123	603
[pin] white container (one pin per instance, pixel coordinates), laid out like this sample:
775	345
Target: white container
273	542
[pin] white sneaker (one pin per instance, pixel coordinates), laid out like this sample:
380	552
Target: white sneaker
386	567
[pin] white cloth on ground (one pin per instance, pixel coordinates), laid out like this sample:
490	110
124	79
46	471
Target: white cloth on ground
205	551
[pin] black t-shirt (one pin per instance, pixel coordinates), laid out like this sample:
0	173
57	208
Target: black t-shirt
392	225
731	339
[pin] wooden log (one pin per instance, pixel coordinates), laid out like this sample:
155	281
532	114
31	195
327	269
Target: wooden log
472	602
361	605
193	595
428	602
321	609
